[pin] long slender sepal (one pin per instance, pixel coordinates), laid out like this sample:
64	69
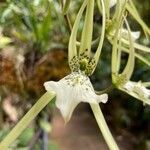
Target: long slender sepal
114	66
26	120
131	60
99	6
98	51
87	32
72	42
136	46
114	61
103	127
139	56
136	16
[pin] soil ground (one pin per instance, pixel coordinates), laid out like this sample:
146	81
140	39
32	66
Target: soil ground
82	133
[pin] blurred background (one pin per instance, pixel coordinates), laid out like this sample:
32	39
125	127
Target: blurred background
34	37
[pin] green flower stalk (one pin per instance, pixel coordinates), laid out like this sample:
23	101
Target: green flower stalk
26	120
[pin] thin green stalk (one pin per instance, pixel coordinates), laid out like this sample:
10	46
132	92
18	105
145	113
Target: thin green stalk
103	127
25	121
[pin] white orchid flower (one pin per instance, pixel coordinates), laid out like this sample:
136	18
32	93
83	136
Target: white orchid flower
71	90
137	90
76	87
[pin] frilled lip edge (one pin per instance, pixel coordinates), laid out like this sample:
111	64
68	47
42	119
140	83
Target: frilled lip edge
68	98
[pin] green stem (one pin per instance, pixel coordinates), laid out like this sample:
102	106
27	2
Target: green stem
25	121
103	127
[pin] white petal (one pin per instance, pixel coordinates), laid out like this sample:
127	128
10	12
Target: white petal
137	89
64	98
72	90
135	35
51	86
112	3
141	90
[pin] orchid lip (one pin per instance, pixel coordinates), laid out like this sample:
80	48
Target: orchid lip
71	90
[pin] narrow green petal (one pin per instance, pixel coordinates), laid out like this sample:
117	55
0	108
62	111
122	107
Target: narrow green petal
87	28
107	8
131	60
98	51
137	17
118	25
137	46
140	57
99	6
72	42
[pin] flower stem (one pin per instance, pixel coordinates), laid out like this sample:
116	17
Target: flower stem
25	121
103	127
